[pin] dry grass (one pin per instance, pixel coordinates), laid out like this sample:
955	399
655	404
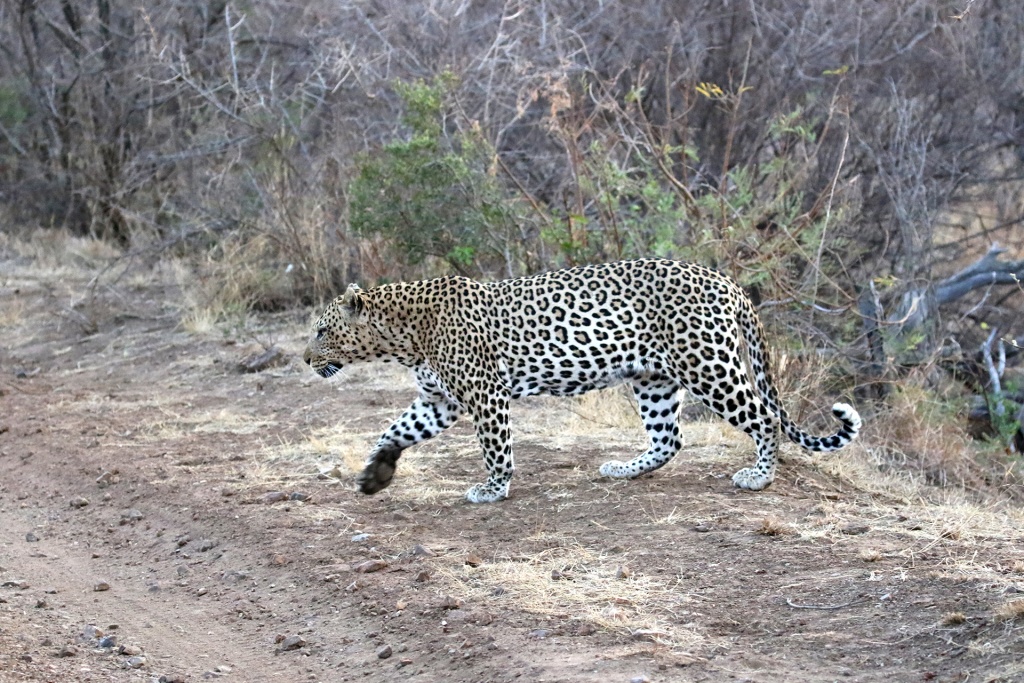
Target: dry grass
576	583
1011	611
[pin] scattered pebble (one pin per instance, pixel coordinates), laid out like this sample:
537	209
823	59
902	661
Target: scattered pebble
273	497
129	650
67	651
131	516
134	662
31	537
79	502
855	529
405	661
369	566
292	643
172	678
539	633
101	586
422	576
451	603
623	572
206	544
90	632
474	560
702	528
299	496
108	641
422	551
106	479
42	604
384	652
640	679
21	585
359	538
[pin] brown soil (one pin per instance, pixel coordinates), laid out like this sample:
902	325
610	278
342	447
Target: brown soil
673	577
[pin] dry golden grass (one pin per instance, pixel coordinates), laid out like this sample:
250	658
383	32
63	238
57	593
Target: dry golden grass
773	526
1011	611
573	582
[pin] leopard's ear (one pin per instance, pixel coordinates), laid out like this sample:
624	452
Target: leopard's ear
354	300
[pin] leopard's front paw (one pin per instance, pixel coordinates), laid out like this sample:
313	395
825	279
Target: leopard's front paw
617	470
752	480
486	493
379	472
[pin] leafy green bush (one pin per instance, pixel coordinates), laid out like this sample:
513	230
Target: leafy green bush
434	193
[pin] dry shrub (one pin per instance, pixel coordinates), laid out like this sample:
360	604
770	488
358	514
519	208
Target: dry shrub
917	431
1011	611
773	526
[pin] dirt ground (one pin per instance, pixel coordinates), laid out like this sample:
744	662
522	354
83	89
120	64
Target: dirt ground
165	517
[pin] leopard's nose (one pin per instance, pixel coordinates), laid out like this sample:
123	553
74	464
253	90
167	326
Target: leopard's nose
307	356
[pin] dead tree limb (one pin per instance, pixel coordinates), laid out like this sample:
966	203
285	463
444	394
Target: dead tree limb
919	305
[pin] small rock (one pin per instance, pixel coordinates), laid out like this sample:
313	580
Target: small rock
172	678
90	632
130	650
108	641
422	551
42	604
451	603
384	652
26	658
262	360
359	538
202	591
702	528
101	586
539	633
206	544
273	497
422	576
68	651
234	576
20	585
623	572
369	566
299	496
474	560
79	502
639	679
131	516
292	643
135	662
106	479
223	669
227	492
280	560
31	537
855	529
557	575
405	661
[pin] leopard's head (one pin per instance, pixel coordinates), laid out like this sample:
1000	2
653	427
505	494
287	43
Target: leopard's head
342	335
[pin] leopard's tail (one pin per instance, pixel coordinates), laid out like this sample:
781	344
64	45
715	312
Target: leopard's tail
760	362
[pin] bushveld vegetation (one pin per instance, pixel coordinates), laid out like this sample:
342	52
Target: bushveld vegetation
851	164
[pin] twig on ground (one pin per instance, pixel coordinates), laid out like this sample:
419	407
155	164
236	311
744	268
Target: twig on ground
855	601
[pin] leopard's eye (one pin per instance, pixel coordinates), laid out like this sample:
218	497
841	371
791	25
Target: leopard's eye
320	333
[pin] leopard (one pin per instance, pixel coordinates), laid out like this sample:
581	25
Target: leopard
660	326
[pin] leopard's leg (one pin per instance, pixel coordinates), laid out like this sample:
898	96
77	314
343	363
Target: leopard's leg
657	398
726	389
428	416
490	417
